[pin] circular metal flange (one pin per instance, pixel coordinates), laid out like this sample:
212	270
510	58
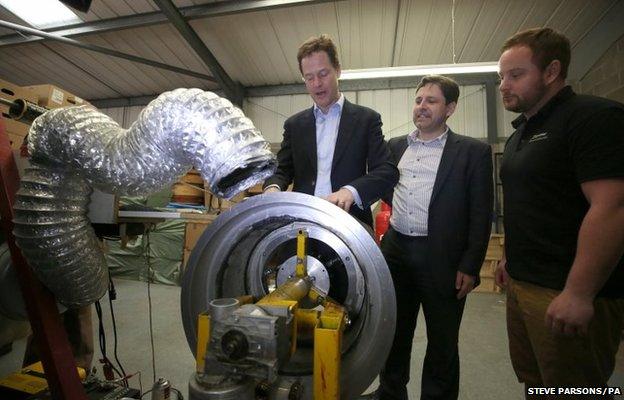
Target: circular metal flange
233	258
316	270
343	261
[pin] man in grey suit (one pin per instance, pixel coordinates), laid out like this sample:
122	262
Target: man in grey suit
438	236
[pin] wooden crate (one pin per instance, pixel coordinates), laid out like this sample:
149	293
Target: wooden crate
215	204
487	286
192	233
493	255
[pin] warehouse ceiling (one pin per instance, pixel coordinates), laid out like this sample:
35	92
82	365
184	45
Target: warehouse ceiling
255	42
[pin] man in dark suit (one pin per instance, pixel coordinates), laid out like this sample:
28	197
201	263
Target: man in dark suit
438	236
335	149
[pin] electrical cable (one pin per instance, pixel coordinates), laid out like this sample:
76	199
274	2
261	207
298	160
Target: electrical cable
149	297
102	341
453	29
178	393
112	295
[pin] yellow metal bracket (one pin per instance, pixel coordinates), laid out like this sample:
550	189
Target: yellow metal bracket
301	269
327	345
203	337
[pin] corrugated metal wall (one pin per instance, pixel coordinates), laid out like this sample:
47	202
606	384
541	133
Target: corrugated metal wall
394	105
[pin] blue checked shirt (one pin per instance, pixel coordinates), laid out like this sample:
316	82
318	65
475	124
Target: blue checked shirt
418	168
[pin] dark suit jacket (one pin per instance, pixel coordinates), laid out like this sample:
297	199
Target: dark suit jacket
361	157
460	211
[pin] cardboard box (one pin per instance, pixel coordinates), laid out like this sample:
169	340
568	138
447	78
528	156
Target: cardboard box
12	92
192	234
15	127
51	96
15	140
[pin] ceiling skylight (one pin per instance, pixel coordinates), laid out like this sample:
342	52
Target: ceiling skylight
41	14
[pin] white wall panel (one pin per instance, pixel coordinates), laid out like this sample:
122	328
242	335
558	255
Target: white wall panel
124	116
470	117
395	106
116	113
269	113
504	118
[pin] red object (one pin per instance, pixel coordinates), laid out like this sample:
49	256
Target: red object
49	334
382	221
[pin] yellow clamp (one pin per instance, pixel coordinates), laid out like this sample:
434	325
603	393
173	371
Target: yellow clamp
301	269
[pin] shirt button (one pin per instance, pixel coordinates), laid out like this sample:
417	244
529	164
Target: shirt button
410	213
411	194
413	176
313	183
418	159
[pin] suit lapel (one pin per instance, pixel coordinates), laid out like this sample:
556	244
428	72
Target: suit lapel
345	131
446	162
399	149
308	133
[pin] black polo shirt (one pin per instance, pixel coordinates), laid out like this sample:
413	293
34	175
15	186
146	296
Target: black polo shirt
571	140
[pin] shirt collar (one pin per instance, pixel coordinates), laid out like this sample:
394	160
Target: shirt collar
564	94
414	138
336	107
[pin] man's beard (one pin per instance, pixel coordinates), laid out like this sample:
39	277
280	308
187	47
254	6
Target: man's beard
526	104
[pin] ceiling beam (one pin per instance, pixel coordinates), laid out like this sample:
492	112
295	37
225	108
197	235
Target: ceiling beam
597	41
153	18
368	84
105	50
233	90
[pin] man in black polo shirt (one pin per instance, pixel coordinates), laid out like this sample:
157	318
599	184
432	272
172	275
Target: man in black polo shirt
563	185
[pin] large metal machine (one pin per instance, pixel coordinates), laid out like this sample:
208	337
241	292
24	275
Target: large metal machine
287	296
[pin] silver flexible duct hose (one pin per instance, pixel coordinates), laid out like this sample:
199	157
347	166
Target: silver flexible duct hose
77	148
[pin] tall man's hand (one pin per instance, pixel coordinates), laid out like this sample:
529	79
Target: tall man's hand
569	313
343	198
271	189
464	283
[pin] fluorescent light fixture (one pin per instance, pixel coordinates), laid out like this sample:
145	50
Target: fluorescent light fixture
41	14
441	69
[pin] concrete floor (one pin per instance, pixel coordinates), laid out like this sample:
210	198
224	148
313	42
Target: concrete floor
486	371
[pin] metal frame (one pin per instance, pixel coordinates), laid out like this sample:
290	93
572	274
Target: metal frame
105	50
233	90
154	18
49	334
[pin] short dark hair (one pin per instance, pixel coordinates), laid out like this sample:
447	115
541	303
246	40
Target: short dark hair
450	88
546	44
321	43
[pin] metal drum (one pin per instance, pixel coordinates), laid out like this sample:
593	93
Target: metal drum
249	250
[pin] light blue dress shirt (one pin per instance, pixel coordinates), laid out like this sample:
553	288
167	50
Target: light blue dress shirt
326	136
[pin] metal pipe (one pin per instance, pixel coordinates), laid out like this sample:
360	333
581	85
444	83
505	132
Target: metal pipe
74	149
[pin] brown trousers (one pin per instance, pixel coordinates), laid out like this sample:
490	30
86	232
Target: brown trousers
541	358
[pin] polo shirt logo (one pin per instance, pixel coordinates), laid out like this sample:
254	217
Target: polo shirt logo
539	136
